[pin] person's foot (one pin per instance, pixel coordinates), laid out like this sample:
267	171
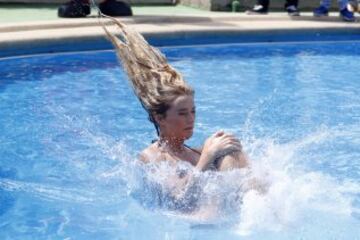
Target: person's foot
321	12
257	9
293	11
347	16
115	8
74	9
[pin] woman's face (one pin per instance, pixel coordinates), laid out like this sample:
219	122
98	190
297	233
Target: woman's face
179	120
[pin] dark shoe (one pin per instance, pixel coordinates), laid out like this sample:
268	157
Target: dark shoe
321	12
347	16
257	9
293	11
74	9
115	8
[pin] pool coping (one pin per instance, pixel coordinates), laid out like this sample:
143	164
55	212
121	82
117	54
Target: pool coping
86	34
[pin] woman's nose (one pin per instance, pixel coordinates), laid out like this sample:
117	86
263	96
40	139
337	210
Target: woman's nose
191	118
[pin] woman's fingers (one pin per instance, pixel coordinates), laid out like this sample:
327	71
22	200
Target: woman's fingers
231	138
228	150
230	146
219	133
234	145
222	143
236	148
228	135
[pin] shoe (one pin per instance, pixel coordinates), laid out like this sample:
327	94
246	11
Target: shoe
115	8
347	16
74	9
293	11
257	9
321	12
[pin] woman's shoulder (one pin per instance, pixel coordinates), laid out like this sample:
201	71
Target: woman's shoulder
198	150
150	154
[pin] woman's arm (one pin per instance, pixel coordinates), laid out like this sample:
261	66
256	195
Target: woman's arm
218	146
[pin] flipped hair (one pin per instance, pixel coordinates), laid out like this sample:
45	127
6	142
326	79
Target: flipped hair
155	83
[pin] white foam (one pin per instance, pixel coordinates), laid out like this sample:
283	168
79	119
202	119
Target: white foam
293	191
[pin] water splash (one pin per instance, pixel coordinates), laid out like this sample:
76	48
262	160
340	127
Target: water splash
48	192
294	190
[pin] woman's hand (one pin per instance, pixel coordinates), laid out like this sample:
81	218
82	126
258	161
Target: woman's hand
217	145
220	144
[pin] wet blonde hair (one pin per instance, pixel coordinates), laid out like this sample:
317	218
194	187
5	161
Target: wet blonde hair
154	81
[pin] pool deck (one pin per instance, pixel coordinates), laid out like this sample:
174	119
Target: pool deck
47	35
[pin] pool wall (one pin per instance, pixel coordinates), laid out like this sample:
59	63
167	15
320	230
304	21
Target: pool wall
86	34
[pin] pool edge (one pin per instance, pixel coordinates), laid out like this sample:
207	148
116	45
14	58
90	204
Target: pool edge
86	34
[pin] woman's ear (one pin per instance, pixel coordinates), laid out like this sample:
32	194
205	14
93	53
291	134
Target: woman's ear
159	118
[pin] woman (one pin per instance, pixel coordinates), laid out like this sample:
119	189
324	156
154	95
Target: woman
169	102
175	125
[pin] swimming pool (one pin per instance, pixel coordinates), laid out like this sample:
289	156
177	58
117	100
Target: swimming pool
71	127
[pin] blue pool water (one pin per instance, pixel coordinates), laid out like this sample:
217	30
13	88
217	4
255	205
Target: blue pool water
71	128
